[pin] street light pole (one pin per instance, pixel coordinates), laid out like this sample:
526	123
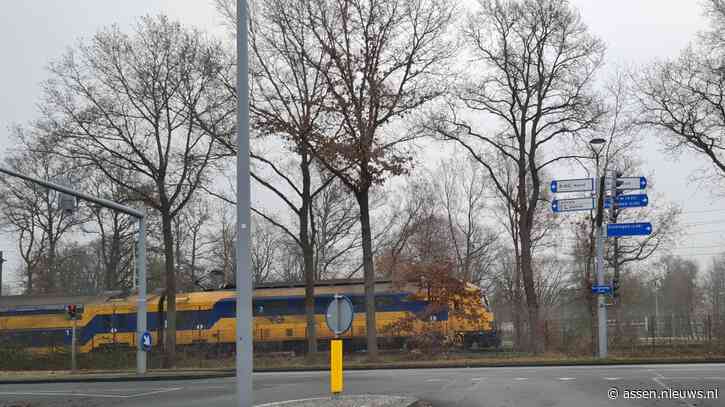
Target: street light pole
599	248
244	280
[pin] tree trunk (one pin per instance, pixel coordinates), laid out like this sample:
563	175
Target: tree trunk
369	273
534	344
518	322
29	288
166	222
308	257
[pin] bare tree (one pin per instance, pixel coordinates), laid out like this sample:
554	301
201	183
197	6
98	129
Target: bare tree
715	293
683	96
193	245
116	232
536	61
124	103
265	246
463	186
222	236
287	108
383	58
334	217
34	211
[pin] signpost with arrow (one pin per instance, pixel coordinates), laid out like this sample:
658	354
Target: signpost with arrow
598	188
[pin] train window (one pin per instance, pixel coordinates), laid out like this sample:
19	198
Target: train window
290	332
383	303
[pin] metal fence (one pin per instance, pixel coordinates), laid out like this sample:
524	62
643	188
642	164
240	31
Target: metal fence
646	334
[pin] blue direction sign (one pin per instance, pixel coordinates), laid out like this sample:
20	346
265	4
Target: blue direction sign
601	289
629	229
145	342
570	205
572	185
628	201
627	183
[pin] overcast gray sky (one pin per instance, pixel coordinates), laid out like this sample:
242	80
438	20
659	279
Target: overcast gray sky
636	31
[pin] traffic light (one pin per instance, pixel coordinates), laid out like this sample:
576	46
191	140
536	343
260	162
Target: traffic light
615	288
72	311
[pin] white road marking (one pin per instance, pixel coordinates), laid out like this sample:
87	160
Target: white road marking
714	378
434	380
612	378
57	393
149	393
93	395
566	379
521	378
478	379
658	380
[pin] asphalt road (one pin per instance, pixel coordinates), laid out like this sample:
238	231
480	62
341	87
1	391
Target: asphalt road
475	387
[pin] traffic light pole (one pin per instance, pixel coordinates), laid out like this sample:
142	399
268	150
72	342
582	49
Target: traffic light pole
140	256
2	260
615	242
73	345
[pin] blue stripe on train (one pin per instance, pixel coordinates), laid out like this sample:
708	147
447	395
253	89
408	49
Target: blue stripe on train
226	308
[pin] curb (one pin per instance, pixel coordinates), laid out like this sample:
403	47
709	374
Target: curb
224	373
80	378
496	364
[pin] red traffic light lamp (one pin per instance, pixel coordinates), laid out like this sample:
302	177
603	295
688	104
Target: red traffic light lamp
72	310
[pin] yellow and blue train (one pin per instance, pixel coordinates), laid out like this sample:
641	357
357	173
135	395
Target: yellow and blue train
42	323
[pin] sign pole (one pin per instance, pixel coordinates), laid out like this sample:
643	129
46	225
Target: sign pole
141	363
244	281
599	234
336	384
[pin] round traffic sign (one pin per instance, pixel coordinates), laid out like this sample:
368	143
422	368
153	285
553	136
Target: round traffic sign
339	314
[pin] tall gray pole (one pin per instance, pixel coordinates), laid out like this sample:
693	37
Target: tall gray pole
141	306
244	280
73	346
140	257
599	234
2	260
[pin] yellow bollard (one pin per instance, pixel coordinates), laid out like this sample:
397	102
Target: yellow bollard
336	366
